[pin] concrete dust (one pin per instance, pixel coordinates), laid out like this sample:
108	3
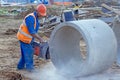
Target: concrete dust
47	72
107	75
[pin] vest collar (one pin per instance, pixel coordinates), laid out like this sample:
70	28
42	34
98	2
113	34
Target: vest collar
35	13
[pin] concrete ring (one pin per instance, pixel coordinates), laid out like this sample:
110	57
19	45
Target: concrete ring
101	47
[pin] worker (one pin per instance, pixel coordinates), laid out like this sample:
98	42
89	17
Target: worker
76	10
26	35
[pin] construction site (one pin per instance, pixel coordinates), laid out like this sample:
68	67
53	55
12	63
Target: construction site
83	42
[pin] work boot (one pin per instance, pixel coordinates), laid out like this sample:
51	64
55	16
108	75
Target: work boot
33	71
20	68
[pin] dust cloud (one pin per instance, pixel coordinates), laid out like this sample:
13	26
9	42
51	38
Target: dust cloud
47	72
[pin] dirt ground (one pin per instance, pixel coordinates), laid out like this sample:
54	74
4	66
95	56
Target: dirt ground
9	49
10	53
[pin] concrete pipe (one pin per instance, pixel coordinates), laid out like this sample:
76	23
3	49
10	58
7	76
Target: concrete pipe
116	29
65	48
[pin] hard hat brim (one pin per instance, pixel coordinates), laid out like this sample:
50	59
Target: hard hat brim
43	14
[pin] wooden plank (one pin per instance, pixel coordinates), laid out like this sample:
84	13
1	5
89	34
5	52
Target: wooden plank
110	8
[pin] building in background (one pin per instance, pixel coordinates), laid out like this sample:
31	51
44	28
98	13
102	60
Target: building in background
24	1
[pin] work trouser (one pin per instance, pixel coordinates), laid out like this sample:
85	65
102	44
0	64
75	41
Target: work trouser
26	59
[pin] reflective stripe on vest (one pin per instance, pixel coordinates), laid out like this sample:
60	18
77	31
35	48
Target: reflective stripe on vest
23	33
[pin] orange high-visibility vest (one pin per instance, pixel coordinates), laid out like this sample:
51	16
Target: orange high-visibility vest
23	33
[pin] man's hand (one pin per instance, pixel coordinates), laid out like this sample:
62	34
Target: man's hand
38	37
41	40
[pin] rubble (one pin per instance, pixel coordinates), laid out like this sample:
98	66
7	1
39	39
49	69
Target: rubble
11	31
10	75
